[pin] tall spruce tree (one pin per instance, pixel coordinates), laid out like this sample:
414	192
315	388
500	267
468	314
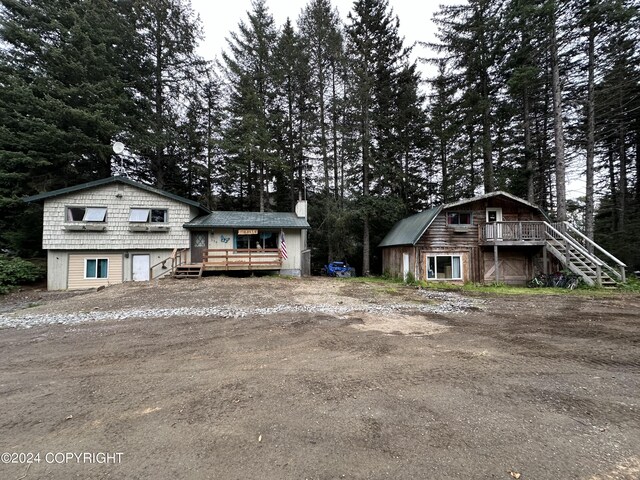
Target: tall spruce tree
249	69
377	57
168	33
62	101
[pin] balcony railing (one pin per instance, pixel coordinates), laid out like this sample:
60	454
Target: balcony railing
532	232
242	259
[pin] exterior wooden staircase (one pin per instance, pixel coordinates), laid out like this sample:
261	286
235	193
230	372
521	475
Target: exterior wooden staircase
583	256
577	253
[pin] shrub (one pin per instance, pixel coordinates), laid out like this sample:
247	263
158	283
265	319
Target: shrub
16	271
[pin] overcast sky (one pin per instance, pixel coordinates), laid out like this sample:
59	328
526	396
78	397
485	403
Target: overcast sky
221	17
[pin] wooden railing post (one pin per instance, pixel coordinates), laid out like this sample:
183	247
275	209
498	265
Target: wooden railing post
599	275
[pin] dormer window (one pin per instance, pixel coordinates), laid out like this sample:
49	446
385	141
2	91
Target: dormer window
86	214
148	215
459	218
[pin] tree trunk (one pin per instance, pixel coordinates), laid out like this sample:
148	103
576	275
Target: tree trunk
261	181
528	151
334	127
323	127
487	147
622	190
613	189
445	173
157	163
365	190
589	200
558	125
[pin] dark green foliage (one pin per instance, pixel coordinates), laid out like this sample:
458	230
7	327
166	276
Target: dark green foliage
62	99
15	271
329	112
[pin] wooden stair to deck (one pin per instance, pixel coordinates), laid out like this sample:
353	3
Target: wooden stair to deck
193	270
571	248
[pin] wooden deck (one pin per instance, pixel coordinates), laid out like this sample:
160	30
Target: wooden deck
512	234
244	259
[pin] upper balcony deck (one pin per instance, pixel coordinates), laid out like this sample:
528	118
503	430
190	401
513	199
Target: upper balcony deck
524	233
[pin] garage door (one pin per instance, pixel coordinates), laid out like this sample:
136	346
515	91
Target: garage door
513	268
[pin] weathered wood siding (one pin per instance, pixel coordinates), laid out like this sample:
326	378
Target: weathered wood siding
118	199
393	261
441	238
515	266
77	270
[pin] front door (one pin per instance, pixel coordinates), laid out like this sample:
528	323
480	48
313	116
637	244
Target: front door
494	228
140	267
199	243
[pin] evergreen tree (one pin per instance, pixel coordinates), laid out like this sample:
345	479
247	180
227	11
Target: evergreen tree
321	39
249	69
62	100
377	57
164	67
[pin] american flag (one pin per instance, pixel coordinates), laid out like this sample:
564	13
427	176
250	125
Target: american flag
283	246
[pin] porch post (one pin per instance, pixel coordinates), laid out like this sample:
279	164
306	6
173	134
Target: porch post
545	267
495	261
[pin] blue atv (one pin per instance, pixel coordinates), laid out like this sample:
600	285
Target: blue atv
338	269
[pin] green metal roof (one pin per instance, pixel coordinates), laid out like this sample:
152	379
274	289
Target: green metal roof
248	220
107	181
409	230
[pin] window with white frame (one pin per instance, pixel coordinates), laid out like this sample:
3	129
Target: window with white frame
96	268
86	214
148	215
444	267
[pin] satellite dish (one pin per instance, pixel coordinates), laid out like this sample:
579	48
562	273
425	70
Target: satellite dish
118	148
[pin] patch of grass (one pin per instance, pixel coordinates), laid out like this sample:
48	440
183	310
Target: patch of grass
633	285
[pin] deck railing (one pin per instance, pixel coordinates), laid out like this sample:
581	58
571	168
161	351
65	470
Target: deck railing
513	232
177	258
242	259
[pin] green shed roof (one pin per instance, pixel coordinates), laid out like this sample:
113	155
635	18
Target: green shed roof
248	220
107	181
409	230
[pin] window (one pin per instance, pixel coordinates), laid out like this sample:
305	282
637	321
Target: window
86	214
444	267
459	218
96	268
257	239
148	215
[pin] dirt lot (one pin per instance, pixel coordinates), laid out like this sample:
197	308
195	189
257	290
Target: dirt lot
320	379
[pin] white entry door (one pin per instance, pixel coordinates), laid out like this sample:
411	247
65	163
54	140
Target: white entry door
494	226
140	268
405	266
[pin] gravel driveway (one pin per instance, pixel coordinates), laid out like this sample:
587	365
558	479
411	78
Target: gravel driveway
316	378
